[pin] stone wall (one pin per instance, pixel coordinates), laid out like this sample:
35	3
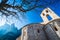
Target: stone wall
34	32
50	31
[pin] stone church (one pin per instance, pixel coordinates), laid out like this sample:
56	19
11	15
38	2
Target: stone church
47	30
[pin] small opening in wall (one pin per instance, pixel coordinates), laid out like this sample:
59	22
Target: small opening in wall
38	30
55	29
47	15
46	11
43	14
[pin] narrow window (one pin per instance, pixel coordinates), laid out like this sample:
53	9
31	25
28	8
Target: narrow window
38	30
55	29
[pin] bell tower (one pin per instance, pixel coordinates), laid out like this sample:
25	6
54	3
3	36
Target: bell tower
48	12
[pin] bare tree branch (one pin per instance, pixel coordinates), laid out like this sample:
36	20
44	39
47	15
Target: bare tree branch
4	1
26	5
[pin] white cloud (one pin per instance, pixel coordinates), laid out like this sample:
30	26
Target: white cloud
2	20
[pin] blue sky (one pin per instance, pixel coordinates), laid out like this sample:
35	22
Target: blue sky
33	16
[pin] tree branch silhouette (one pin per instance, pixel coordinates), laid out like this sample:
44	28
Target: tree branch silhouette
26	5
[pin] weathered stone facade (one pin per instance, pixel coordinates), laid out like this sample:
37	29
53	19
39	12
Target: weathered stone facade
34	32
48	30
52	30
